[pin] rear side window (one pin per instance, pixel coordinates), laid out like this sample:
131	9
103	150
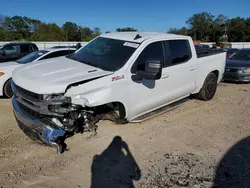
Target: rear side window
56	54
34	47
177	51
25	48
152	51
10	49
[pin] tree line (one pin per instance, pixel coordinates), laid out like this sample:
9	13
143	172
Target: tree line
201	26
209	28
25	28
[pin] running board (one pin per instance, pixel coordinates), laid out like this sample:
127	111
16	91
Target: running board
159	111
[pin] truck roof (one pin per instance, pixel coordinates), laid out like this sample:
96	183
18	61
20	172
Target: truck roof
131	36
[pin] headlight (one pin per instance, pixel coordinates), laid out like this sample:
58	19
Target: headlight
246	70
57	97
1	73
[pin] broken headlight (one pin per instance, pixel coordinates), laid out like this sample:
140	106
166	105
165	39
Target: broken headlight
58	103
57	97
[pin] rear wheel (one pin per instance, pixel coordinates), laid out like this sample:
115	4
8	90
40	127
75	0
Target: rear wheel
7	90
209	88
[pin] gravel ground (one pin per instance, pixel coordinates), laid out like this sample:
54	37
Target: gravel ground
200	144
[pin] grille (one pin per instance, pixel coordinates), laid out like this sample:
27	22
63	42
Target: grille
29	112
27	94
230	77
232	70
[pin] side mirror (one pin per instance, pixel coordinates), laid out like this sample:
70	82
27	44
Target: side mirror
2	53
153	70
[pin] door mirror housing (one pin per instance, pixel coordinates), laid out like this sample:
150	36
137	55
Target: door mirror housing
153	71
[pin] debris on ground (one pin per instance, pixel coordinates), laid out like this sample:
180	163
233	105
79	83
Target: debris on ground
179	171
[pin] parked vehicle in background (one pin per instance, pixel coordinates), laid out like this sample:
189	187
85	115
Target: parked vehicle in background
56	47
229	51
77	46
203	46
16	50
7	68
238	66
123	76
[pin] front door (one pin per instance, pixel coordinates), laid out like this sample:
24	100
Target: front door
146	94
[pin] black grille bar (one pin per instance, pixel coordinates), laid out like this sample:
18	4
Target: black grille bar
27	94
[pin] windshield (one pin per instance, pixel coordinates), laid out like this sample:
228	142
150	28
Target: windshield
104	53
31	57
241	55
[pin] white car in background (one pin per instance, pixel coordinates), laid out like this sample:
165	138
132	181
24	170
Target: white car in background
7	68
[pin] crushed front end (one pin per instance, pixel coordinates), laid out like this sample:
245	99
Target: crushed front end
50	119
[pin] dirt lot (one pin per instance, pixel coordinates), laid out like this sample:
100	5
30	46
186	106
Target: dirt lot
196	145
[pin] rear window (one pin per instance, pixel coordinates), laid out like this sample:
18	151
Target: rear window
57	54
31	57
177	51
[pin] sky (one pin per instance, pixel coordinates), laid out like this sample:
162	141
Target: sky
144	15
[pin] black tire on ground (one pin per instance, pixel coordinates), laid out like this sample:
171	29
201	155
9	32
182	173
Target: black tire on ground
7	90
209	88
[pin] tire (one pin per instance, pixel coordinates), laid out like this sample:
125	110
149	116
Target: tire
7	90
209	88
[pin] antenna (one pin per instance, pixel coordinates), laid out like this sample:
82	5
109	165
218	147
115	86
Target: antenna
137	37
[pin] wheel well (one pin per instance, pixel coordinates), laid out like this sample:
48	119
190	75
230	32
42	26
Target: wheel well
121	108
5	84
216	72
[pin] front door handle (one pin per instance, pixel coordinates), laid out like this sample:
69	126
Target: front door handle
165	76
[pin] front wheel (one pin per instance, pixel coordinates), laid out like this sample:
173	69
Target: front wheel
209	88
7	90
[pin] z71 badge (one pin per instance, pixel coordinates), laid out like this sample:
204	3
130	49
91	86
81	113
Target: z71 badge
117	78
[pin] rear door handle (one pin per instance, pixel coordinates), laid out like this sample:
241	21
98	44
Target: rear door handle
192	68
165	76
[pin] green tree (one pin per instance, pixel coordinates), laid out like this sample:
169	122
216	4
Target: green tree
48	32
72	31
181	31
16	27
86	33
218	27
200	26
248	29
237	30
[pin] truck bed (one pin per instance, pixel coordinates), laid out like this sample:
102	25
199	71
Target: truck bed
207	52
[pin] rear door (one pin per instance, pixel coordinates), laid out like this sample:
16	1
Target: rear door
179	71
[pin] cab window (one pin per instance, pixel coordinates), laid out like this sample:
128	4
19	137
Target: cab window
152	51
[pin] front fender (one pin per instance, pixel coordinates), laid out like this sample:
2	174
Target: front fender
92	98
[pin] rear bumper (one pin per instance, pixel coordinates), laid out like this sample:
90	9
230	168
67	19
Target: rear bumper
36	129
237	77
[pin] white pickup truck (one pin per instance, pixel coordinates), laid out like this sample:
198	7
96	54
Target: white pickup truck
123	77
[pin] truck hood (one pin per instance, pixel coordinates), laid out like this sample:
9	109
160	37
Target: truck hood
237	63
53	76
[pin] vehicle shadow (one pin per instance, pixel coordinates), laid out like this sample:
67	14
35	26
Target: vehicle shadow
115	167
233	171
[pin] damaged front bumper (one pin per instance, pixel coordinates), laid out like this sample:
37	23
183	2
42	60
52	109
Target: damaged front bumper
45	133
